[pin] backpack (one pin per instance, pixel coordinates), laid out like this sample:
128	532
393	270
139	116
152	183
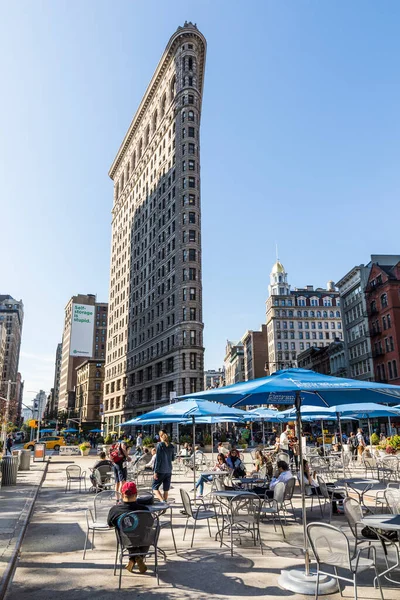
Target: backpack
354	442
116	455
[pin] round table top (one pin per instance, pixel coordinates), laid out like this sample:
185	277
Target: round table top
357	481
158	506
387	522
230	493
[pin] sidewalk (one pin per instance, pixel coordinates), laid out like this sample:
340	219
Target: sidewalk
15	507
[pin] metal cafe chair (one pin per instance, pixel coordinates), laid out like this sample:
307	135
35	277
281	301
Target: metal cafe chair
134	530
96	519
331	547
75	474
201	513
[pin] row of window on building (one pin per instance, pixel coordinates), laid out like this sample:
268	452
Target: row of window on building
308	314
301	301
307	325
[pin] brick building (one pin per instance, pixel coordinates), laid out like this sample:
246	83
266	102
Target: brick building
383	303
89	391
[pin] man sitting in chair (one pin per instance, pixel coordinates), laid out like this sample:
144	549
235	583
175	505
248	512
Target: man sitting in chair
129	503
103	462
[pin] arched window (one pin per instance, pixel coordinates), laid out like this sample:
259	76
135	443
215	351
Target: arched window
173	87
183	116
312	313
190	115
373	306
163	105
384	301
190	63
140	148
318	314
338	313
306	313
331	314
133	160
155	115
299	313
325	314
122	182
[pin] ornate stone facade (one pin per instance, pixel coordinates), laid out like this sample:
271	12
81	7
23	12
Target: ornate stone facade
155	342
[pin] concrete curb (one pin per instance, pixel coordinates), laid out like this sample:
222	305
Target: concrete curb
8	574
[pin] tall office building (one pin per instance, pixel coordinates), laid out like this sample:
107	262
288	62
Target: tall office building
12	317
155	343
67	377
299	319
52	407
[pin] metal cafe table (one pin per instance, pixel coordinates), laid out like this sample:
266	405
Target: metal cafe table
382	524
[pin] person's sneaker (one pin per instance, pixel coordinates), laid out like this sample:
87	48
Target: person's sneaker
130	565
141	565
199	496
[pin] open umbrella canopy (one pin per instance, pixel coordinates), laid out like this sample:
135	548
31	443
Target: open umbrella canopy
264	414
313	388
70	430
95	431
369	410
188	410
46	430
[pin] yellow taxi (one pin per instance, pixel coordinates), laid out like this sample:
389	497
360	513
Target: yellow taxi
52	443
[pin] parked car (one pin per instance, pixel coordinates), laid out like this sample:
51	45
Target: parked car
52	443
19	437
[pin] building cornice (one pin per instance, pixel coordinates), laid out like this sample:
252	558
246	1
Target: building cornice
187	31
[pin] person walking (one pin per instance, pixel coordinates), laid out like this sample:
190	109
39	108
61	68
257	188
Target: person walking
139	443
361	442
119	455
165	454
9	444
284	440
352	442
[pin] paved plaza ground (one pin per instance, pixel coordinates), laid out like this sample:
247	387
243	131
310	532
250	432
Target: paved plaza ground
51	565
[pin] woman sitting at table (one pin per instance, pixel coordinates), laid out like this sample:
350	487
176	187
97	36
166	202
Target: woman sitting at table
235	464
312	488
220	465
259	462
184	451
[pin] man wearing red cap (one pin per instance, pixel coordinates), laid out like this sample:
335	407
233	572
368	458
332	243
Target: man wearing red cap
129	503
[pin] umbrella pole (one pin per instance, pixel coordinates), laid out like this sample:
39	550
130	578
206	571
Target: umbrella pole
369	433
390	426
263	432
302	486
194	458
212	444
323	436
341	442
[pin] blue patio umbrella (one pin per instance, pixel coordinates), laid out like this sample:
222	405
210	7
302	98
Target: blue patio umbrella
189	411
301	386
46	430
70	430
95	430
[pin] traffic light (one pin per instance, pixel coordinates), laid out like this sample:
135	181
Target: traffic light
33	424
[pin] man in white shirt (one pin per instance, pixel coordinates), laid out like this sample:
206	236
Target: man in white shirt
361	442
284	440
284	475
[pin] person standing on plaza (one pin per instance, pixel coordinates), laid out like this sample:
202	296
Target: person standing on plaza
284	440
139	443
9	444
119	455
353	443
165	455
361	442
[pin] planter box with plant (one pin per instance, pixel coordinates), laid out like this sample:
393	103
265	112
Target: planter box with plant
84	448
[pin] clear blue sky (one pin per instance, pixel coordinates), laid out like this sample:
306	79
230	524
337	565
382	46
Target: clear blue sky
300	146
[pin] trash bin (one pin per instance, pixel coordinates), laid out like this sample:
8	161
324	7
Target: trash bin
9	469
16	453
25	460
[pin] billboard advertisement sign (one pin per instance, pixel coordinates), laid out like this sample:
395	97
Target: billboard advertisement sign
82	326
